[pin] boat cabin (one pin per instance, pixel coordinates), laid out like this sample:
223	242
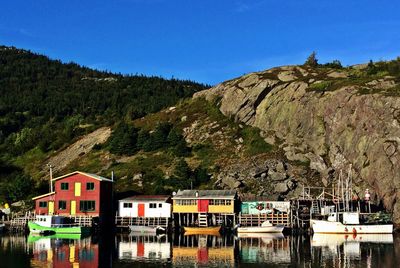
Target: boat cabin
345	217
145	206
53	221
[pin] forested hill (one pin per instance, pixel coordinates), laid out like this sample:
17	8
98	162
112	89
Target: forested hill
45	103
37	91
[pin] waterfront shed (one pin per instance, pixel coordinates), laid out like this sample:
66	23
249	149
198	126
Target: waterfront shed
255	210
204	207
147	206
77	194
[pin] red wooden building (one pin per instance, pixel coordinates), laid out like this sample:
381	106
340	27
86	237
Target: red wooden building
77	194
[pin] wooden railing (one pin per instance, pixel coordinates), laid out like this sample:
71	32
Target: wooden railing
258	219
141	221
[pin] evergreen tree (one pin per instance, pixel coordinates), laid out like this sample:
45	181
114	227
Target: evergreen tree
182	175
312	60
20	188
160	136
123	139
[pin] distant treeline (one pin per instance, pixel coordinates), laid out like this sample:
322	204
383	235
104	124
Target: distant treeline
43	99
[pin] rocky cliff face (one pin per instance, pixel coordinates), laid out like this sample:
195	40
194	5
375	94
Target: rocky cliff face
325	119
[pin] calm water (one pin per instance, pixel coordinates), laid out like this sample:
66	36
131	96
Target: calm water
201	251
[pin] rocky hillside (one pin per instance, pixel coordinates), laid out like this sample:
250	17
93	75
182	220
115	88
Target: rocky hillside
325	119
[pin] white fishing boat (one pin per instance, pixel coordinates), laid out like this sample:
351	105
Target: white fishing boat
146	229
266	227
349	223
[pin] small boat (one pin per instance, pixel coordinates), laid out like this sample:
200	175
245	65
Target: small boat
214	230
349	223
266	227
47	225
146	229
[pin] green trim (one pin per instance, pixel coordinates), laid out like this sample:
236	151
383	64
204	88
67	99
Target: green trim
36	228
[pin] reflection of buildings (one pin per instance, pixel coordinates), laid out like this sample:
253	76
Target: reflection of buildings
204	249
265	248
55	252
142	247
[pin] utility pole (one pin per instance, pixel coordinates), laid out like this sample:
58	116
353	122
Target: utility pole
51	177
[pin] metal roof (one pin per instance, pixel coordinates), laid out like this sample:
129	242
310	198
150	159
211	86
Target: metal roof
146	198
205	194
94	176
43	195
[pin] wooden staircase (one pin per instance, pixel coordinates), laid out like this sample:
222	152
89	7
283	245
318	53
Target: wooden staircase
203	220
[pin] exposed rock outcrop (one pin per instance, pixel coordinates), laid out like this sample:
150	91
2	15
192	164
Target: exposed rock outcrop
326	126
260	175
79	148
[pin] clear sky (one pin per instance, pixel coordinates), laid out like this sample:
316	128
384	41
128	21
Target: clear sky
203	40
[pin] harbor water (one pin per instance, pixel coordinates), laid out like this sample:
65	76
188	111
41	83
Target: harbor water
256	250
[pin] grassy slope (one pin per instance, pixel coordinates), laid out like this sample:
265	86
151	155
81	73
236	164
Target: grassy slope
214	139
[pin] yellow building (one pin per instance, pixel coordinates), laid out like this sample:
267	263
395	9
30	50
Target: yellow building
205	207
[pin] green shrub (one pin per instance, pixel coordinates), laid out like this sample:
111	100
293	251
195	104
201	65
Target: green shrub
320	86
253	142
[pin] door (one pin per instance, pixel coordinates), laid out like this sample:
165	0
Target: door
140	209
202	205
73	207
51	207
77	189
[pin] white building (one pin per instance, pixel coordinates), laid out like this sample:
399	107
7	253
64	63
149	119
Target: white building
147	206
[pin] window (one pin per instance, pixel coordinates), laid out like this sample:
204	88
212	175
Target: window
219	202
152	205
43	204
64	186
127	205
90	186
188	202
160	205
87	205
62	205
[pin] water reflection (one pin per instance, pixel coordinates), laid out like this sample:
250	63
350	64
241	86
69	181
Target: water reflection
141	247
264	248
204	250
63	251
201	251
363	250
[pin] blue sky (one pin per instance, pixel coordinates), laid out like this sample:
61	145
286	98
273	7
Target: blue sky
207	41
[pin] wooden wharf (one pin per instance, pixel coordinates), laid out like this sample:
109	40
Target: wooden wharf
17	223
125	222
